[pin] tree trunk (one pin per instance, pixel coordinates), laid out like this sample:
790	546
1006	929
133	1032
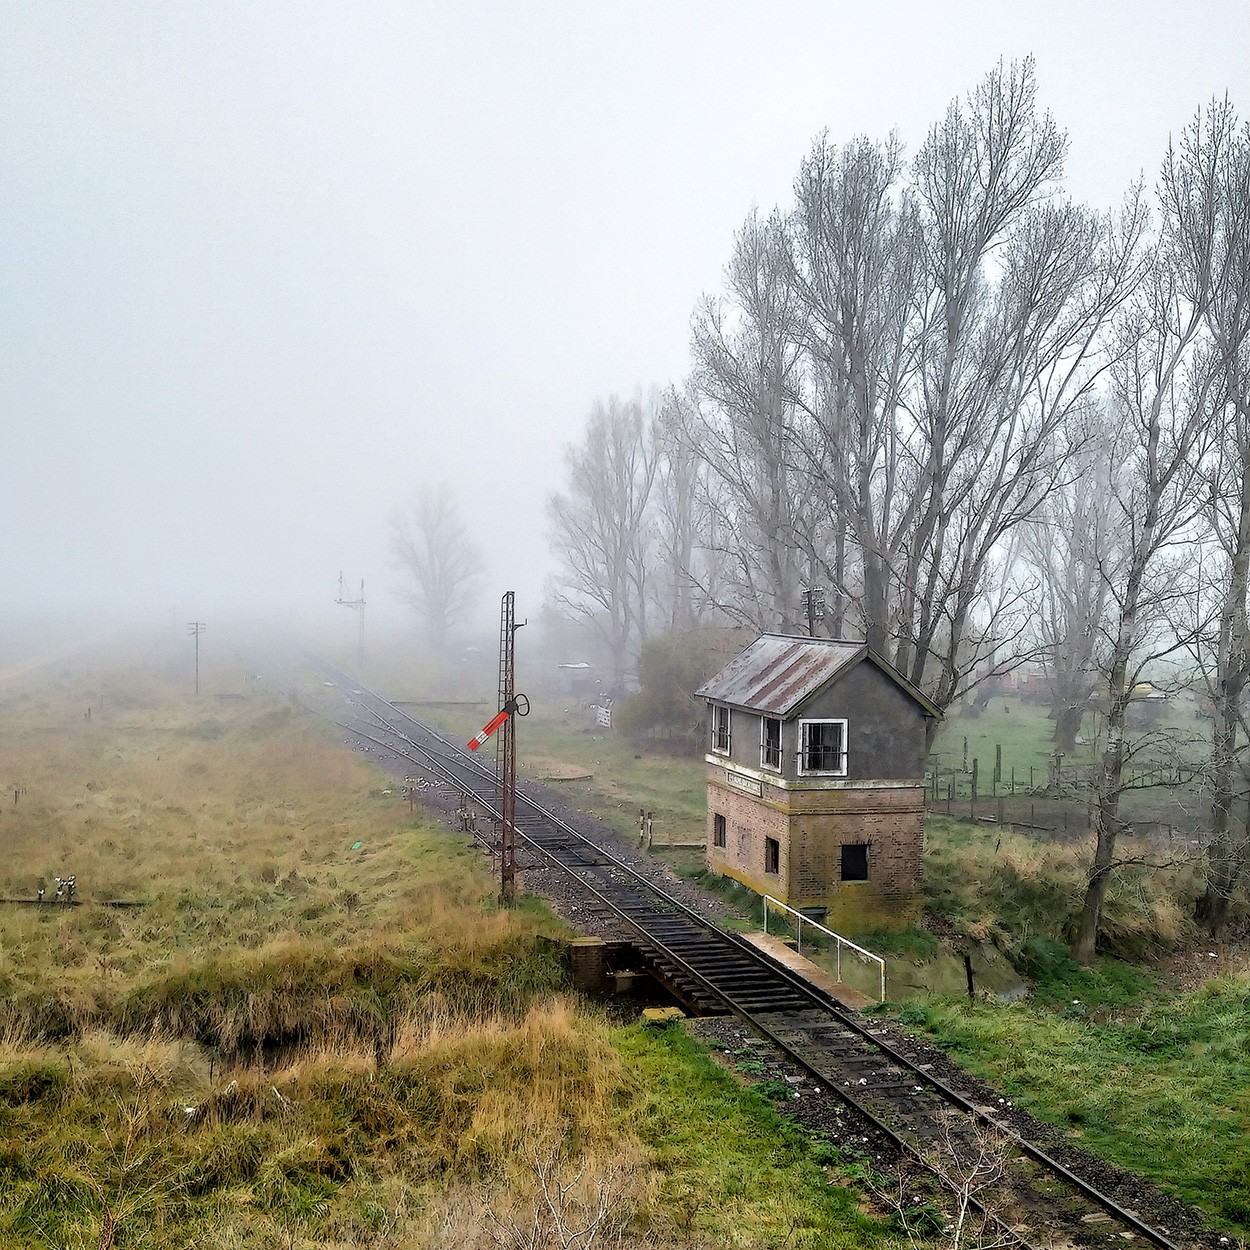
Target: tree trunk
1225	857
1111	775
1067	726
1083	949
1226	861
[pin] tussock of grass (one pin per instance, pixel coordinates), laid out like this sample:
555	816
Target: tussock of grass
489	1085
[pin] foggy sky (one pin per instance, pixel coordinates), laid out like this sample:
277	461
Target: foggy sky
267	267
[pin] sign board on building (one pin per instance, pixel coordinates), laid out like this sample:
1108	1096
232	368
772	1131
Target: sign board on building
750	784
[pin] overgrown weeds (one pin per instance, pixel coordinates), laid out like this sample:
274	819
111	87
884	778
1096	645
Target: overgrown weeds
993	882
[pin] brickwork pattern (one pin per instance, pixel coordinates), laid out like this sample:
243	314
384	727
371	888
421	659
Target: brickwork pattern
748	821
811	827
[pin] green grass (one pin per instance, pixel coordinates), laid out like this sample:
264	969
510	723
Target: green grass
994	883
1021	729
744	1175
1160	1086
1025	735
624	779
1064	985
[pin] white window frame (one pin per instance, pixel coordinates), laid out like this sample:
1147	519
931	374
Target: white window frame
772	768
823	772
717	710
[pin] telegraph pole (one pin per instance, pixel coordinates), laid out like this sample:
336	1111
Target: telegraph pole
813	607
358	606
195	629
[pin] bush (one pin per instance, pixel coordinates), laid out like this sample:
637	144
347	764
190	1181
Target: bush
670	669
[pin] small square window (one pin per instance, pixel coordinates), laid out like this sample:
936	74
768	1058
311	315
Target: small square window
772	856
718	829
855	861
720	729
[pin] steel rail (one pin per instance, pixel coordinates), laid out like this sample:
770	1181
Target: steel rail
814	994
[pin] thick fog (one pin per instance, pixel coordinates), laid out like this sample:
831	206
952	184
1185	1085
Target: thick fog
266	269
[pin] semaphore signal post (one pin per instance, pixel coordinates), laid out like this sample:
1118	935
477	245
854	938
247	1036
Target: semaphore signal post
511	705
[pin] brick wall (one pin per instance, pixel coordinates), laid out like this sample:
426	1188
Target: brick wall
890	822
811	827
748	821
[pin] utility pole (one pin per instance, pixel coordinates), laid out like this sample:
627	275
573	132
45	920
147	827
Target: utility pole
358	606
195	629
813	607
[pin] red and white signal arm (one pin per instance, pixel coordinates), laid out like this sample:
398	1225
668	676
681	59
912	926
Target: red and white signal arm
488	729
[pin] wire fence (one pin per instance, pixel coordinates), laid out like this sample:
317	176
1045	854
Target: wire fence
1164	801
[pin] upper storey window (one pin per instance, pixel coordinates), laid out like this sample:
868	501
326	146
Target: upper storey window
720	729
770	743
822	747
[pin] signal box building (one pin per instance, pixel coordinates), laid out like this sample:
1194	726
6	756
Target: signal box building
815	780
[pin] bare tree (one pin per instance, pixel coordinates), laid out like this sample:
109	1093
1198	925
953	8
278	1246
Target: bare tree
1067	545
1162	391
1208	186
1003	362
442	567
971	1168
857	269
681	518
746	351
600	528
952	329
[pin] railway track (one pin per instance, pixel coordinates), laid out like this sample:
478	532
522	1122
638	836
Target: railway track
1039	1200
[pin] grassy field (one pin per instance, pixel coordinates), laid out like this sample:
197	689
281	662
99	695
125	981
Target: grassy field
317	1029
1024	736
1021	730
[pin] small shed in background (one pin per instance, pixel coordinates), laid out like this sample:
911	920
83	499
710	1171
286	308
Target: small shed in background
815	779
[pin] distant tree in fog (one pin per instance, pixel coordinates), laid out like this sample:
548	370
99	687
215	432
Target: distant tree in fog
1068	547
686	585
601	528
442	567
746	347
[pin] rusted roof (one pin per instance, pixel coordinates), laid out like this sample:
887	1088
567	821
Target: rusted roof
777	672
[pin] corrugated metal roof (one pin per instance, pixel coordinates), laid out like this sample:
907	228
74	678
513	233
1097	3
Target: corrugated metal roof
777	672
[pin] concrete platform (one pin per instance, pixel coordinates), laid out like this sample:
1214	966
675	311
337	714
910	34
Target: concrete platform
800	966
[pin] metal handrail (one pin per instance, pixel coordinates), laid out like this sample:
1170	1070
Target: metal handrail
837	937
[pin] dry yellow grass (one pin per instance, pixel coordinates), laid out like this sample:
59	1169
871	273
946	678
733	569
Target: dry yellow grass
232	823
